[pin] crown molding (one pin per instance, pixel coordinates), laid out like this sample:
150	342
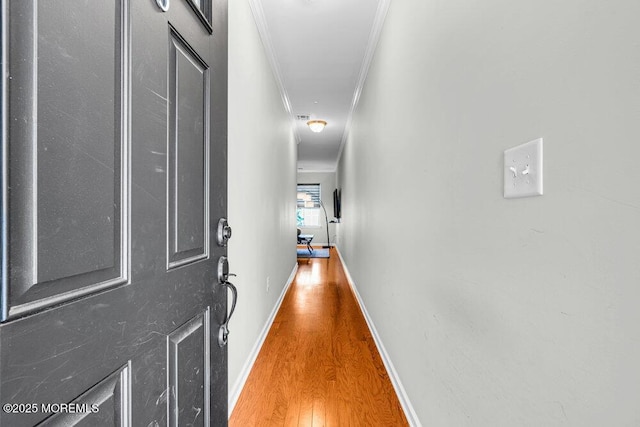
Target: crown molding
263	29
374	38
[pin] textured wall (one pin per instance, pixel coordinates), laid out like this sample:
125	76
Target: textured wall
262	186
502	312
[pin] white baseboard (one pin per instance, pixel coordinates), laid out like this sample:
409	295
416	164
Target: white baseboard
409	412
234	392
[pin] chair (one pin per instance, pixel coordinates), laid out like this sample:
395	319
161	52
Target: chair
305	239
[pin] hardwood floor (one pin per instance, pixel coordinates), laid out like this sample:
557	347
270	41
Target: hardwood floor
319	365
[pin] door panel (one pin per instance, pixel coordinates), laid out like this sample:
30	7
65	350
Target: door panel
188	369
69	175
114	178
188	153
106	403
78	134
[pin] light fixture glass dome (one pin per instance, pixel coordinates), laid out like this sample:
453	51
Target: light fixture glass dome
316	125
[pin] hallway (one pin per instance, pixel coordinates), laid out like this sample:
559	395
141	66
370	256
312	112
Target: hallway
319	365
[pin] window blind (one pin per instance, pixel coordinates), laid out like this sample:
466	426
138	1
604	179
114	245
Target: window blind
311	189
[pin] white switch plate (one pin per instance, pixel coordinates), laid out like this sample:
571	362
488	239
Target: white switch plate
523	170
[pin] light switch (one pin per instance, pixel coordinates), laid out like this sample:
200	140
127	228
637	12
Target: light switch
523	170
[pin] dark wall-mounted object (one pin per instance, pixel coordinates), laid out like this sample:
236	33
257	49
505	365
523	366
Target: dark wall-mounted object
337	202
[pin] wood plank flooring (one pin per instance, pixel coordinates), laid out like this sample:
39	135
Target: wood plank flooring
319	365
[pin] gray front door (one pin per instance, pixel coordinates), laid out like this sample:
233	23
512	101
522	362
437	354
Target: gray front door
113	182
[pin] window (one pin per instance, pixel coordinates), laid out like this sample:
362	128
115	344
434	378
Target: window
308	205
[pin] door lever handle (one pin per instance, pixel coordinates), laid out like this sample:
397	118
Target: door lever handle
223	332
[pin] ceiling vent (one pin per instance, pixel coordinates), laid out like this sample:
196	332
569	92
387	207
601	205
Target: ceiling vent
303	117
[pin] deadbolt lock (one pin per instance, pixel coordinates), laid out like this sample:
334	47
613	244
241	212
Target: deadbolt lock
224	232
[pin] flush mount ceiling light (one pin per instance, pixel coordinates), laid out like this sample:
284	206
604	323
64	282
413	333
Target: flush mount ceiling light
316	125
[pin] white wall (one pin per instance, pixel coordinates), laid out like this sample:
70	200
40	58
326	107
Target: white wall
502	312
262	186
327	181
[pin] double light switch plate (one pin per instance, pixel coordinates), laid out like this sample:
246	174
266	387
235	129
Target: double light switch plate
523	170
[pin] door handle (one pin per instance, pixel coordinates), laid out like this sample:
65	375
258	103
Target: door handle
223	270
223	279
223	332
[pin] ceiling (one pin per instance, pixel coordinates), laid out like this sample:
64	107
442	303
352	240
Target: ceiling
320	52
